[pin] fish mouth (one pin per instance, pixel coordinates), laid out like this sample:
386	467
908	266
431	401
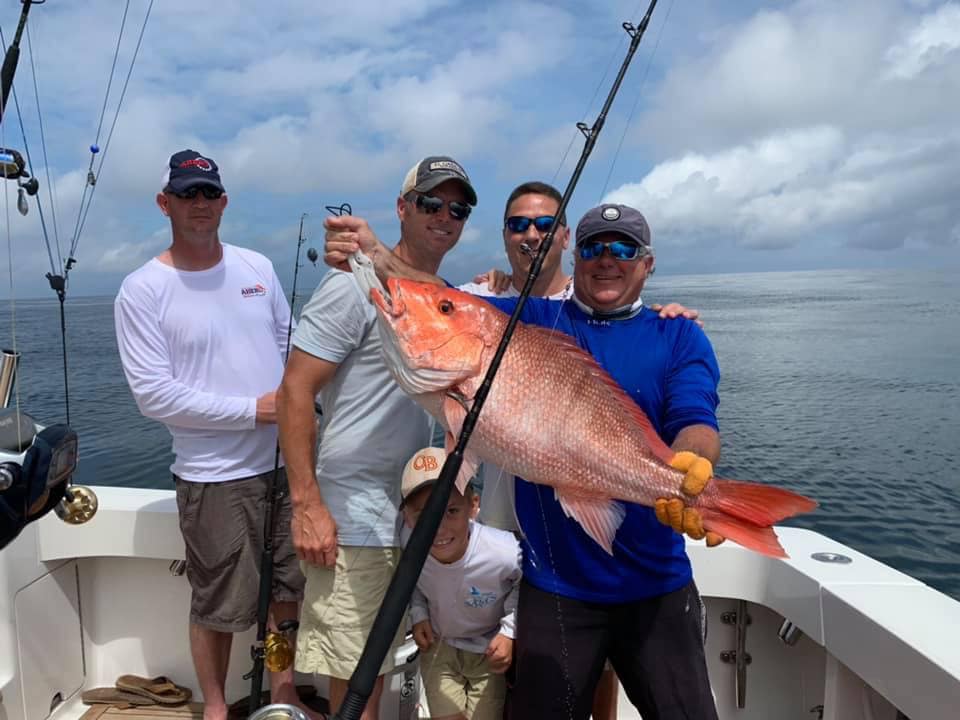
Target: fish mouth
389	298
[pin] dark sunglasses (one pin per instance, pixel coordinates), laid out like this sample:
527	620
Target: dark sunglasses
520	224
210	193
619	249
431	205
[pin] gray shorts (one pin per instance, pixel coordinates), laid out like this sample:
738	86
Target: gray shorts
222	526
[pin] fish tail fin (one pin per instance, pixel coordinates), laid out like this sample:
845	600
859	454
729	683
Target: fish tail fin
757	504
759	539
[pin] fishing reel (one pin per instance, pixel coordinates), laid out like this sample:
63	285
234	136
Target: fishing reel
36	466
277	649
13	167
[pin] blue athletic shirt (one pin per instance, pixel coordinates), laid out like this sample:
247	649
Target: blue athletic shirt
669	369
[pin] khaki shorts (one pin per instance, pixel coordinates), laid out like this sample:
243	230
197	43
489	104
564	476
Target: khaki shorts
222	527
339	608
458	681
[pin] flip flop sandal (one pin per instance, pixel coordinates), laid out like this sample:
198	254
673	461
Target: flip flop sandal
113	696
160	689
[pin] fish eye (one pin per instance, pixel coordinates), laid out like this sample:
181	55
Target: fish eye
445	306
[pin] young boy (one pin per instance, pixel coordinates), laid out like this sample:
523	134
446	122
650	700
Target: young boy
462	610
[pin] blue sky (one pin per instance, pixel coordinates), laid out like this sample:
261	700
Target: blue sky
763	136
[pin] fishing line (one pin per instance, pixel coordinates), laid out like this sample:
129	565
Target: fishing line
43	145
26	149
394	605
94	148
636	101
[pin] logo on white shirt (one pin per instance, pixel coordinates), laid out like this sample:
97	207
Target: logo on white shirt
479	599
257	289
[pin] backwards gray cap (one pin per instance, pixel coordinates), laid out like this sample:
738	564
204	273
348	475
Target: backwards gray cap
436	169
621	219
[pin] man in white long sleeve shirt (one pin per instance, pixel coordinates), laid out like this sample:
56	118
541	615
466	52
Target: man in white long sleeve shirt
202	330
463	607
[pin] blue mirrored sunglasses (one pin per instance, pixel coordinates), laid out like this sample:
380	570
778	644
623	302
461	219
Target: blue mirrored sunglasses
209	192
431	205
520	224
619	249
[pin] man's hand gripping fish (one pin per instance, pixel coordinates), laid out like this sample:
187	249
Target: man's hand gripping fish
438	342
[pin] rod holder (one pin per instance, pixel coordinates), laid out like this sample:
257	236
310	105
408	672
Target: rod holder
8	375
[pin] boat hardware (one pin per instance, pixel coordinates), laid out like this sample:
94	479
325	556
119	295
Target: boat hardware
831	557
393	609
279	711
789	633
740	657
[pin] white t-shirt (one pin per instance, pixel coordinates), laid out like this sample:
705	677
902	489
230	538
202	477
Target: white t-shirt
497	497
198	348
370	427
471	600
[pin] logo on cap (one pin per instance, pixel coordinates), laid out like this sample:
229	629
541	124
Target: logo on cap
198	162
611	213
425	462
447	165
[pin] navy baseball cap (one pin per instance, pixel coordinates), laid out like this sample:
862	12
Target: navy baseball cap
621	219
187	169
436	169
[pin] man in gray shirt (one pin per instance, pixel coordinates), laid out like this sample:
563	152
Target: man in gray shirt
345	499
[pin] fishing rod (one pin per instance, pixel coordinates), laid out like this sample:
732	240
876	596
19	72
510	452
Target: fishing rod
12	56
395	602
272	649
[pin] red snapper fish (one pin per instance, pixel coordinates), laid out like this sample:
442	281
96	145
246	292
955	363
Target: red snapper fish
554	417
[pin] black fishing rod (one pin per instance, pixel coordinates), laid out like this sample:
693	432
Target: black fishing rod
12	56
272	649
404	580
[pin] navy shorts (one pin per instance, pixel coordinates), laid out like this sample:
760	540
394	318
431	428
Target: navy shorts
656	647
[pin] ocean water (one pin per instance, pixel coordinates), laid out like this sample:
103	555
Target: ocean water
842	385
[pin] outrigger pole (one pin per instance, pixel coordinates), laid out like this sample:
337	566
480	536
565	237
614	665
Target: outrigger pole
272	649
404	580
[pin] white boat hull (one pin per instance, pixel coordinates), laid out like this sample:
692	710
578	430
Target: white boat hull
80	605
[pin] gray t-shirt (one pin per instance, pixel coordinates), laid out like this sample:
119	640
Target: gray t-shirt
370	427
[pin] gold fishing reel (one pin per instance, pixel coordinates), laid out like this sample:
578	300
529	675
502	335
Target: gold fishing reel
277	649
277	653
78	505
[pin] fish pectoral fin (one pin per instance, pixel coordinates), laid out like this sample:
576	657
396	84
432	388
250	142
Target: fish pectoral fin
600	519
468	467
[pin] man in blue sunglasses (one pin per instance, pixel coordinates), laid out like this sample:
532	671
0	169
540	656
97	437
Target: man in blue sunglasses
639	607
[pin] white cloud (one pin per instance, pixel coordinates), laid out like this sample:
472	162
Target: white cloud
934	40
802	135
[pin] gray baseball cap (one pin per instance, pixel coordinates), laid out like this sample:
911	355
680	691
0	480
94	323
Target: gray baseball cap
436	169
621	219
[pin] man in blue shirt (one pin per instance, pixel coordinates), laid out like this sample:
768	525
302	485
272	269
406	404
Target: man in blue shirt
579	605
639	606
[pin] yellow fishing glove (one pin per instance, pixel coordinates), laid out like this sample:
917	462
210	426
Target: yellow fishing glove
698	471
672	512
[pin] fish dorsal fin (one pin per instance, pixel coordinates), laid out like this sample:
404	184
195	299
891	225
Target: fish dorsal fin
600	519
565	344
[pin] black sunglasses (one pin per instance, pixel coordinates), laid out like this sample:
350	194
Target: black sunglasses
210	193
520	224
431	205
